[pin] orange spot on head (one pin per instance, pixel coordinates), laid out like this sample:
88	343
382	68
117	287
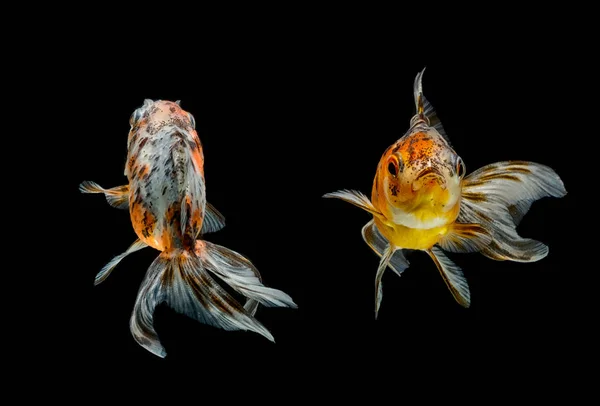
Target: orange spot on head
418	146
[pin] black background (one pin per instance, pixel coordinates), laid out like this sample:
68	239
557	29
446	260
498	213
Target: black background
285	117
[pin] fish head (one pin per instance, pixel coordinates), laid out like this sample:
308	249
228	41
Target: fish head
156	114
418	181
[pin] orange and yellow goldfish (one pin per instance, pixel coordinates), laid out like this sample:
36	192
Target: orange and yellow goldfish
166	199
422	200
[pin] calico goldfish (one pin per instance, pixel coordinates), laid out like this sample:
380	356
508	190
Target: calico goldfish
166	199
423	199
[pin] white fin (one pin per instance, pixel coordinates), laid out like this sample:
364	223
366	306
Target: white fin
497	196
108	268
178	279
383	263
239	273
379	243
425	108
117	196
213	220
465	238
453	276
356	198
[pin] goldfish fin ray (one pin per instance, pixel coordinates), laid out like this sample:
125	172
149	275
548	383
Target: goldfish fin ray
356	198
117	196
108	268
178	279
425	108
239	273
213	220
498	195
383	263
378	243
453	276
466	238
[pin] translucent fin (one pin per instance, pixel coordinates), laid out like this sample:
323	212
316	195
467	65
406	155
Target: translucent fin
465	238
213	220
178	279
424	108
356	198
239	273
383	263
497	196
108	268
453	276
117	196
378	243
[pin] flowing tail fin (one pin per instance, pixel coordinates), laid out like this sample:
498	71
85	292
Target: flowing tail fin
497	196
179	279
239	273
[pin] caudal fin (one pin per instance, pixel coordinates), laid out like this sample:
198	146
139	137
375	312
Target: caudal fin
243	277
179	279
497	196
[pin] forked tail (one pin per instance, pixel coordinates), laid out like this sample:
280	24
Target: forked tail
181	279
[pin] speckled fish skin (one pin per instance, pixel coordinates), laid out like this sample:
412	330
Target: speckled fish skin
422	200
167	203
165	169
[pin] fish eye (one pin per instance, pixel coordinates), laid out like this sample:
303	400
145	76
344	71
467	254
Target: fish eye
192	120
135	117
393	168
460	167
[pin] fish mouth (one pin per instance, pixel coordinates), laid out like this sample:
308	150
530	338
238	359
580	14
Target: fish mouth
427	176
430	172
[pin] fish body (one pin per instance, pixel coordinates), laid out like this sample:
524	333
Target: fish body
165	169
166	199
422	200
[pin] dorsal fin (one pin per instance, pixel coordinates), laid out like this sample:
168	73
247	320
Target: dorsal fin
424	109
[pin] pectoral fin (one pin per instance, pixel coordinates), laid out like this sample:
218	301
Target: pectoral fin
464	237
117	196
453	276
356	198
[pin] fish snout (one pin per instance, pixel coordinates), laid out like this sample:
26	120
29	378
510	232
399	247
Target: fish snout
429	175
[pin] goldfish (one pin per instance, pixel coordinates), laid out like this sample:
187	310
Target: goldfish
166	199
422	199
